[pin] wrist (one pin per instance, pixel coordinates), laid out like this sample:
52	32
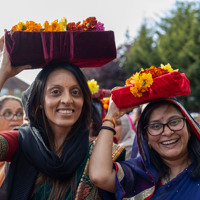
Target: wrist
109	129
109	121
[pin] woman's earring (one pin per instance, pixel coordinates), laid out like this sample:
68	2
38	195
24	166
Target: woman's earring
149	145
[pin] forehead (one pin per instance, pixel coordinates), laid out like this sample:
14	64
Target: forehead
11	104
61	76
163	111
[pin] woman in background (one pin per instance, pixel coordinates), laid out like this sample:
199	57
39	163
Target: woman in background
125	134
11	116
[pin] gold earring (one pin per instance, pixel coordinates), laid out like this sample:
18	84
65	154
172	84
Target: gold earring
149	145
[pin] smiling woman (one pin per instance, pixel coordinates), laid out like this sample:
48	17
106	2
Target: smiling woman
11	112
56	140
168	167
63	101
49	156
11	115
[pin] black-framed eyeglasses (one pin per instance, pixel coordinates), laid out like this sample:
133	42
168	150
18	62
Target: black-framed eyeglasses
10	116
155	129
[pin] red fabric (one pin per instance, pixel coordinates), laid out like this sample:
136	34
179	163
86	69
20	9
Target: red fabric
169	85
12	139
82	48
101	94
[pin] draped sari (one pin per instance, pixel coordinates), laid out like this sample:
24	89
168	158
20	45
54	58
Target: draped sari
137	178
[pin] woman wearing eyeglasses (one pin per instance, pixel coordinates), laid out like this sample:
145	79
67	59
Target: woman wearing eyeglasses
11	112
169	163
11	115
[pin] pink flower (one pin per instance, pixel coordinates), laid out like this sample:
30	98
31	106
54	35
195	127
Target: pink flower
99	27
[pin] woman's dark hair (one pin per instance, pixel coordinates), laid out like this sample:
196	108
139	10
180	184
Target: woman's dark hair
38	119
96	120
156	160
38	99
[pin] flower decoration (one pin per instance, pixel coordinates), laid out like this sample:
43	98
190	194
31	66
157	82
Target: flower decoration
28	26
105	101
93	86
143	80
89	24
99	27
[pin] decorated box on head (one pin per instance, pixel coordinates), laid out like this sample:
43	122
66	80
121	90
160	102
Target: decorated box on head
84	47
151	84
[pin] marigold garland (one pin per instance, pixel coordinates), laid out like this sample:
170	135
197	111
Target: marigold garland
89	24
143	80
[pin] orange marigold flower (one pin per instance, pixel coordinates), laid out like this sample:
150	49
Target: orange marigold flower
135	92
55	25
132	79
47	26
105	101
143	80
105	106
71	26
89	23
79	26
14	28
32	26
129	80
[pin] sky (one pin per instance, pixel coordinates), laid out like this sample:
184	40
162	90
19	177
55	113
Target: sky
117	15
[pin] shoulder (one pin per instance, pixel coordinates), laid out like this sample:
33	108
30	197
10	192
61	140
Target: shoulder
118	152
8	144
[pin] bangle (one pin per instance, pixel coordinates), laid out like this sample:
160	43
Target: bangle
110	120
108	128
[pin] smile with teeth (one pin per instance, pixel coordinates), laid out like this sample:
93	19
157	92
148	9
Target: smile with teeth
169	142
65	111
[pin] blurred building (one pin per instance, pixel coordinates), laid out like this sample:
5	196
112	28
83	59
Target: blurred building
14	86
108	76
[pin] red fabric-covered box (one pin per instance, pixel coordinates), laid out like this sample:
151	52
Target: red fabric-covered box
169	85
82	48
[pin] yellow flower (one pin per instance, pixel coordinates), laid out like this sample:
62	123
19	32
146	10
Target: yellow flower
93	86
63	24
142	84
133	79
168	68
146	80
135	91
143	80
20	26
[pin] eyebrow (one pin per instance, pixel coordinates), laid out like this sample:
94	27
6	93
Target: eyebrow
172	117
8	109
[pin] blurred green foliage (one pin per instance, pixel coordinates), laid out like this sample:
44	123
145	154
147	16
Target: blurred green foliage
175	39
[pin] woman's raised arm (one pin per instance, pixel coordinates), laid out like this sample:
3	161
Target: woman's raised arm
101	170
6	69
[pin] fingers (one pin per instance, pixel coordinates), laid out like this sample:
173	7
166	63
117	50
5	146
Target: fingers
26	67
2	39
17	70
131	108
117	87
1	43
